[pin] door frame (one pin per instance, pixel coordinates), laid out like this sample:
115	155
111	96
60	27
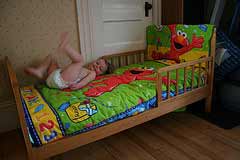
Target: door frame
87	25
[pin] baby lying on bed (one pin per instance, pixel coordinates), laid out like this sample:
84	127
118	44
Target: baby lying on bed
74	75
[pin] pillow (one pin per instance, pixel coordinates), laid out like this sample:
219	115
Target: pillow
178	43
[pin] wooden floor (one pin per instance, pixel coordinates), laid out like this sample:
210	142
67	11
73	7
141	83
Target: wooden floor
176	136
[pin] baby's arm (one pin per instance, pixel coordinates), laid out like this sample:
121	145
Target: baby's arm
91	76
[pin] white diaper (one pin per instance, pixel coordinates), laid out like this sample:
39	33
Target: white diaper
55	80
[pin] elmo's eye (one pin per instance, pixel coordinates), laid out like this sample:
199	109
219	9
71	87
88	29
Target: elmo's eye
184	35
179	33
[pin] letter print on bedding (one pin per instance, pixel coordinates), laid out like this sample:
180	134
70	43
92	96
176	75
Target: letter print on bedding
78	112
43	118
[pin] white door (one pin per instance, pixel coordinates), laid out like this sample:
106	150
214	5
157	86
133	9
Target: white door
117	26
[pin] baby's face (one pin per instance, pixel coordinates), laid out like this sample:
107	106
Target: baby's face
99	66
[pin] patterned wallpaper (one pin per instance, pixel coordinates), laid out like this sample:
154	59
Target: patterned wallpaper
30	29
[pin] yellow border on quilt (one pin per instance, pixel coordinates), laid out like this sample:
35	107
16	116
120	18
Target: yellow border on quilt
43	118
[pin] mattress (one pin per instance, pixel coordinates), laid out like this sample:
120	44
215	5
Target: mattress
52	114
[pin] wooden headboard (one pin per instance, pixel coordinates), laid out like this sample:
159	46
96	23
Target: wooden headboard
126	58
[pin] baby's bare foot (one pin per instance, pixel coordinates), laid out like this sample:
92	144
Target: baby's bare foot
34	72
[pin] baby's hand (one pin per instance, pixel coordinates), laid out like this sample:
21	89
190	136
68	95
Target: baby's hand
75	86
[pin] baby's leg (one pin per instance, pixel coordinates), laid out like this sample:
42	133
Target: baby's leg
71	72
74	55
41	70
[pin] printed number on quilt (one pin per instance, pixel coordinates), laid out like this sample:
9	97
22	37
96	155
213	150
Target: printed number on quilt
47	125
51	136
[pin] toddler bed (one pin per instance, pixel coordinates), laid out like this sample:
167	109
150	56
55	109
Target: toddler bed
137	91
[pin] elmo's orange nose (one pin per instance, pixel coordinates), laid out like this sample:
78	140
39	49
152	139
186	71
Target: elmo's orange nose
179	39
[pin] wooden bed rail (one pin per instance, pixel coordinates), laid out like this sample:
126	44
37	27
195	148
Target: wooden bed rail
201	66
198	92
126	58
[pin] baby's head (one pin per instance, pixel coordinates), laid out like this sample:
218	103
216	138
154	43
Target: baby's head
100	66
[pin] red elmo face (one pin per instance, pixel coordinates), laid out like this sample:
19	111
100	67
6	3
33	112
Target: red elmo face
180	41
179	45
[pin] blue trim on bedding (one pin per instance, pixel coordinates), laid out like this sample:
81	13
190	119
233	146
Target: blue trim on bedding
129	112
151	103
32	131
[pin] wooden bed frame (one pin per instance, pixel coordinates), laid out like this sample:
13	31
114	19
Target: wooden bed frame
163	106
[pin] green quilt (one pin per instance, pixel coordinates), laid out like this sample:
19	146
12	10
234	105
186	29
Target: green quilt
128	91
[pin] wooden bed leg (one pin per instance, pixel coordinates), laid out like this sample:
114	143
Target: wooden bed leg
35	157
30	157
208	104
